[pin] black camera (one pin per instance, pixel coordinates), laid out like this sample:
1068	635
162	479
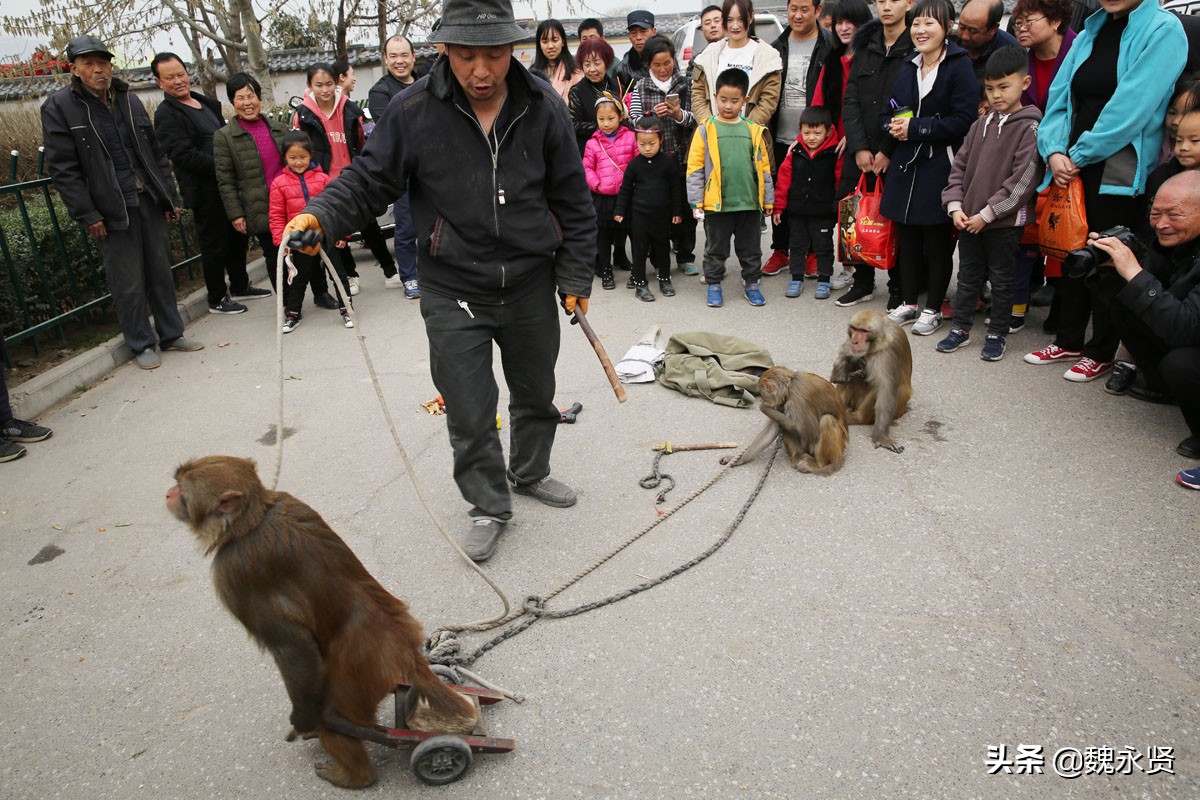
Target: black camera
1083	263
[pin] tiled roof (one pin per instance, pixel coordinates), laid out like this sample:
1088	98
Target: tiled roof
300	60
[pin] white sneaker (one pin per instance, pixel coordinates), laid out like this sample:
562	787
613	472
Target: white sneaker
929	322
841	281
349	323
393	282
903	314
354	290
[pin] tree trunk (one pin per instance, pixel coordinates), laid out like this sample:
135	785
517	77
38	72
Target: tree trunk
381	25
256	55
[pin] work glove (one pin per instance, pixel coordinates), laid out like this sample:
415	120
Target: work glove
570	302
303	233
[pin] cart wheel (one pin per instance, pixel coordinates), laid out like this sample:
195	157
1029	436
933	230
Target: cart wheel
440	760
447	674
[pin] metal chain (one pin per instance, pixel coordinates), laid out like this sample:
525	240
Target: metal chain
656	477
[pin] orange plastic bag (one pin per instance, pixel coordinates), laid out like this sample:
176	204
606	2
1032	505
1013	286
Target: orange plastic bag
1062	222
864	234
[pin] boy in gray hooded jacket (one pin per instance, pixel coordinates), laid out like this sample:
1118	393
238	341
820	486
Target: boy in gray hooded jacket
991	196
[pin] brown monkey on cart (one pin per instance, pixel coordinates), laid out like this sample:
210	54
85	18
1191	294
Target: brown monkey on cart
806	409
341	641
873	371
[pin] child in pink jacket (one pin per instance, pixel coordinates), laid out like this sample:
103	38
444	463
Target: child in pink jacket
299	182
605	158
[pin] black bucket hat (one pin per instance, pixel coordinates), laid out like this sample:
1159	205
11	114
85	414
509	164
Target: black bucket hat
478	23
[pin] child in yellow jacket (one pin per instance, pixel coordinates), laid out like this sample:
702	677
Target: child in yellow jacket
729	187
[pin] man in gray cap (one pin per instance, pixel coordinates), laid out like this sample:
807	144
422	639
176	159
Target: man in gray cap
116	182
640	27
503	217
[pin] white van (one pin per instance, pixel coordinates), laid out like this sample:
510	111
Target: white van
689	40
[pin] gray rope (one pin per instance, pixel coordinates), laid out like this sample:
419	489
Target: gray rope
445	648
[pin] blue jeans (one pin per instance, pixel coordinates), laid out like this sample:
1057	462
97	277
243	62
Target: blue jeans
406	240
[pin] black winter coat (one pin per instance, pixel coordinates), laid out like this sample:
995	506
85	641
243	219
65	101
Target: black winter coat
1165	295
821	50
920	165
352	120
189	148
808	181
873	72
80	166
505	215
581	102
382	93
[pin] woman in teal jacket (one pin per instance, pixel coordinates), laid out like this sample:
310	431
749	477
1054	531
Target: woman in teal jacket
1104	124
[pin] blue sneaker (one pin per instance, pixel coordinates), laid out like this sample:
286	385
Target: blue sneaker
689	268
823	290
715	300
1189	478
754	295
955	339
993	347
412	290
794	288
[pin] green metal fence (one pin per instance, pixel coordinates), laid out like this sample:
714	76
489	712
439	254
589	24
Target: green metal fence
52	274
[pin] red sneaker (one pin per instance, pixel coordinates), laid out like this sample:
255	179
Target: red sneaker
810	265
1088	369
1051	353
776	264
947	309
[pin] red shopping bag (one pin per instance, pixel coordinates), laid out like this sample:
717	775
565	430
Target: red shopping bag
1062	222
864	234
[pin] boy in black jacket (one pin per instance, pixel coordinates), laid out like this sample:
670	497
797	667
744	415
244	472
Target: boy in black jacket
806	195
653	188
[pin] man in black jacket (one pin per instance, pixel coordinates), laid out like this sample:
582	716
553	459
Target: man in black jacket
399	59
185	123
504	217
804	46
880	48
1156	303
115	180
630	69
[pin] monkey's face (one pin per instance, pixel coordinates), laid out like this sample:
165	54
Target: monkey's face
860	341
176	503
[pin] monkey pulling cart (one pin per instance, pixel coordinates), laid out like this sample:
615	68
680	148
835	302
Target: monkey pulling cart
437	758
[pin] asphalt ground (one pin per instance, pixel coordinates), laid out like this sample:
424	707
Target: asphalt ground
1025	573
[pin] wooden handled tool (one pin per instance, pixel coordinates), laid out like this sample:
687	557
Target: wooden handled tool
609	370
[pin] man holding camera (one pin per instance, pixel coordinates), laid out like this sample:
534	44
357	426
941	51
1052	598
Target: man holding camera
1156	303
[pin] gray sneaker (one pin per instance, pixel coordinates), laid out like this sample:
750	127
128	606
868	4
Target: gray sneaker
18	430
10	451
548	491
148	359
482	538
182	343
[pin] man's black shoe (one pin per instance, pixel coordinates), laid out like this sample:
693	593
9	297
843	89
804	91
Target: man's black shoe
325	301
1189	448
1122	378
1148	395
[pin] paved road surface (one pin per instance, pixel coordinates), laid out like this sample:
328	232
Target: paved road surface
1025	573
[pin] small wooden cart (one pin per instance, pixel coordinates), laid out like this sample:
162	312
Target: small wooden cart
437	758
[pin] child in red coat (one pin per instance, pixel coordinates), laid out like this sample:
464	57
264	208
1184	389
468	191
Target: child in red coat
291	190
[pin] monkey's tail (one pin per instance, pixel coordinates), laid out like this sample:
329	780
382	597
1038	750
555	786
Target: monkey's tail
442	700
831	450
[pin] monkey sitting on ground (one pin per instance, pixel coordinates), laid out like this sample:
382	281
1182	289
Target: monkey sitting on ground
873	370
341	641
806	409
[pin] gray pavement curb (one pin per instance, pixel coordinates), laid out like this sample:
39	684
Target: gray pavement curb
42	393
